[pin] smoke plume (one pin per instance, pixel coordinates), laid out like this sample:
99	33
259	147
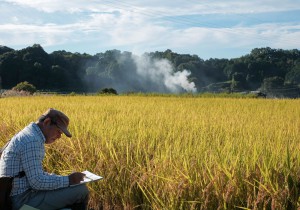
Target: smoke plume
126	72
161	73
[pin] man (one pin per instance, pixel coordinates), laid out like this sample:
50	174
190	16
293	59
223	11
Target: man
25	152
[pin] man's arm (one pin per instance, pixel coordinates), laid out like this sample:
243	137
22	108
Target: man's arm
32	156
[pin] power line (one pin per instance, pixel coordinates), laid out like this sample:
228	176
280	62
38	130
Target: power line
184	20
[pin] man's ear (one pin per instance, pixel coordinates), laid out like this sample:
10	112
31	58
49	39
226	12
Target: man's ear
47	121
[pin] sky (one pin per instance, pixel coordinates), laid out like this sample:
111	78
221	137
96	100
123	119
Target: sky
207	28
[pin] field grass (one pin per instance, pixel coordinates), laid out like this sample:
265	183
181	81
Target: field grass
173	152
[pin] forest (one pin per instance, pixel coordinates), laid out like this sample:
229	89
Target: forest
275	72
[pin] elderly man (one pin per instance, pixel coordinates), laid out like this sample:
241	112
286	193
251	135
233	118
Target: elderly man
35	187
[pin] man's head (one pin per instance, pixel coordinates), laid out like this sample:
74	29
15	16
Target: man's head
53	123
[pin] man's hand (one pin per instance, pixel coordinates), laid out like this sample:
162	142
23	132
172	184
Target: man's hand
75	178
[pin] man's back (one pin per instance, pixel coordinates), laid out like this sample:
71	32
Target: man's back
25	153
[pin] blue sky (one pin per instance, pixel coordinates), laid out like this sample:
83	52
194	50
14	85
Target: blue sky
207	28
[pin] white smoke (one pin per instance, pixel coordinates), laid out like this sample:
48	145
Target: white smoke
162	74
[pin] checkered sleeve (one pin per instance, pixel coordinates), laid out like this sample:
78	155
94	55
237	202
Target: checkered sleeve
32	157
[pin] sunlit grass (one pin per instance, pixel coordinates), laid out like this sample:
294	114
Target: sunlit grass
173	152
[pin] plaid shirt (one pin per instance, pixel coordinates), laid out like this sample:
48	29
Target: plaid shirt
26	152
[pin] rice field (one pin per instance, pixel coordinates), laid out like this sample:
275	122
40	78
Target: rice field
173	152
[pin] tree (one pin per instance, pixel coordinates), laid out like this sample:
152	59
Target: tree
274	86
238	82
272	83
108	91
25	86
293	77
237	66
4	49
254	76
67	71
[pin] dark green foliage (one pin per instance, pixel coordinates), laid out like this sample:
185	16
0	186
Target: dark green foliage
272	83
275	87
4	49
293	76
66	71
220	87
25	86
238	82
108	91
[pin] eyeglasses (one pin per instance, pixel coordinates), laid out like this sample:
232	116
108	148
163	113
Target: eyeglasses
55	123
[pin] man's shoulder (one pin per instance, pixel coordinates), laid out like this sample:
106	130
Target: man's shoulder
28	134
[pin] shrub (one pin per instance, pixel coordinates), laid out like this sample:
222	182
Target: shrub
25	86
72	94
11	93
108	91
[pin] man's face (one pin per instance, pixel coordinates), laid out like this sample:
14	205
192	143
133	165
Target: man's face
51	131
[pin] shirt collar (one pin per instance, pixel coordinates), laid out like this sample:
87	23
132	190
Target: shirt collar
37	129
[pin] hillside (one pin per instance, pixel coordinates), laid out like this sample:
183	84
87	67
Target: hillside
272	71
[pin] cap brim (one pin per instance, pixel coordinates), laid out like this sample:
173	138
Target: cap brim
65	131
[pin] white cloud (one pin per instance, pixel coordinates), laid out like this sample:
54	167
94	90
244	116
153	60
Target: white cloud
52	5
137	26
163	7
143	37
30	34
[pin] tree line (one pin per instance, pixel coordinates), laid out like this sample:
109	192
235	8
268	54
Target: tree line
273	71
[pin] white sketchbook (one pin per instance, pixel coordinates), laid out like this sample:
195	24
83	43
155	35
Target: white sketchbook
89	177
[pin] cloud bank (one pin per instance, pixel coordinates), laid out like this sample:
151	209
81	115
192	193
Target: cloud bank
206	28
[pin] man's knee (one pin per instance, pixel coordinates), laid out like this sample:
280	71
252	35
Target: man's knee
83	191
82	194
